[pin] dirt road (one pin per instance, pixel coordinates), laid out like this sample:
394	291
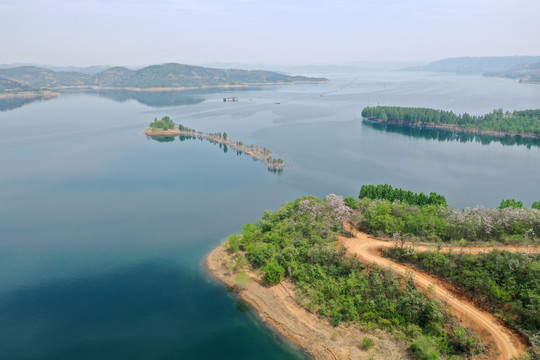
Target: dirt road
503	343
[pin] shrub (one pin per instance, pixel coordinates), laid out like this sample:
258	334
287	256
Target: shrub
367	343
242	280
273	273
425	348
510	203
234	242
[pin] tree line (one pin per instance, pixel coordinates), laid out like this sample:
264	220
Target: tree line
516	122
387	192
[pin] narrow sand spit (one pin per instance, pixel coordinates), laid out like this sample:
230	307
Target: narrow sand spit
277	306
503	342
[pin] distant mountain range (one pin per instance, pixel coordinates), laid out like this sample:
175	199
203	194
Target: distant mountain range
166	76
524	68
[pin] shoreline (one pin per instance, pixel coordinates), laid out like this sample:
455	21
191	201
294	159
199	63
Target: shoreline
186	88
265	156
30	95
277	306
450	127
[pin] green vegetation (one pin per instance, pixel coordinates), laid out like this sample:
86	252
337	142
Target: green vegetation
10	87
507	284
536	205
385	191
184	128
524	122
510	203
298	242
164	124
44	78
367	343
438	223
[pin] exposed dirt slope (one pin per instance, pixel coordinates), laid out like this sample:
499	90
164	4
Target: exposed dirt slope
277	306
503	343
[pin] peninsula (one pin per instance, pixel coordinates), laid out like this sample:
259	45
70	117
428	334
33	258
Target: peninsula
167	128
526	69
522	123
311	270
10	89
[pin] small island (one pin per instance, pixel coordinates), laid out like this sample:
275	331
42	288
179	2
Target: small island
166	128
522	123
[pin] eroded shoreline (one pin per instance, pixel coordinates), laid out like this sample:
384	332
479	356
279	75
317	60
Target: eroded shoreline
277	306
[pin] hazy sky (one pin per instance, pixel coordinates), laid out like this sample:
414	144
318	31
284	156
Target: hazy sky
121	32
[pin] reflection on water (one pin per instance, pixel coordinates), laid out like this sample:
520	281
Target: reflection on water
223	147
14	103
165	98
153	98
449	135
150	98
163	139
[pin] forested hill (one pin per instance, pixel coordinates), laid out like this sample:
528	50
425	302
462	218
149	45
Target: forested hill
523	122
156	76
529	73
477	65
10	86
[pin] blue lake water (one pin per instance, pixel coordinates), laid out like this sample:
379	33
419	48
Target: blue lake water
103	232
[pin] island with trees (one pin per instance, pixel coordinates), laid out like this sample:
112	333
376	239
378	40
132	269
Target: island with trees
311	270
519	123
165	128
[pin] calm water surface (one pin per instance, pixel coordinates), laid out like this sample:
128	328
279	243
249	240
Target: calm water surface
103	232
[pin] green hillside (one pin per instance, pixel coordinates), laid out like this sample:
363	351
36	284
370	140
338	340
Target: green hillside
9	87
43	78
156	76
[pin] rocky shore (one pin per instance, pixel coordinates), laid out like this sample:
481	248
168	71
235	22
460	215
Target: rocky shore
278	306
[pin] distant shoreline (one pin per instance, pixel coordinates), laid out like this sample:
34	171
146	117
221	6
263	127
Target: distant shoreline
166	89
451	128
45	94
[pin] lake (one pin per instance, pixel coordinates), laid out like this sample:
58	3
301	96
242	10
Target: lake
104	232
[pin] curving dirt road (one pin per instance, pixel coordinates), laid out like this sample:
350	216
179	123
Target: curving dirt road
503	343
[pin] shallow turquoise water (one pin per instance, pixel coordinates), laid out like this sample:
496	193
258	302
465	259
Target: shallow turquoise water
103	232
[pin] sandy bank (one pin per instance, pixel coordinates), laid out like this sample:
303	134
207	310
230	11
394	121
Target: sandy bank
30	95
277	306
